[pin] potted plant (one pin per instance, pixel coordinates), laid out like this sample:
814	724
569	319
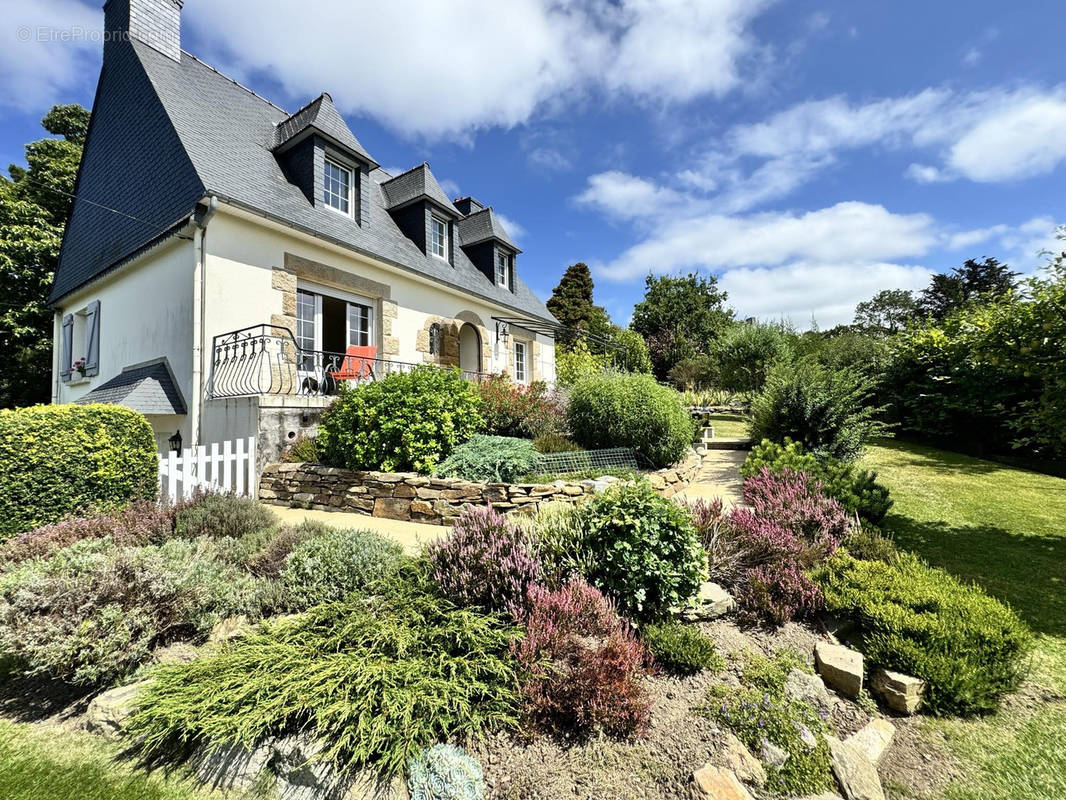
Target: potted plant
79	367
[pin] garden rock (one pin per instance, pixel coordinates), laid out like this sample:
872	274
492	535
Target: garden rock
855	774
232	767
177	653
772	754
808	688
840	667
109	713
823	796
874	739
229	629
900	692
714	783
711	602
737	758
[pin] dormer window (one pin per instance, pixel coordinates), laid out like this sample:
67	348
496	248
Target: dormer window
503	269
337	190
438	238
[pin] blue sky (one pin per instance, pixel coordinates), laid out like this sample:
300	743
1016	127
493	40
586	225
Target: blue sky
807	153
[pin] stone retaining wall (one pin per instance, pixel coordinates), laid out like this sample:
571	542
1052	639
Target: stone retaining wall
437	501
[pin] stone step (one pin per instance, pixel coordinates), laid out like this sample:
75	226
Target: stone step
728	444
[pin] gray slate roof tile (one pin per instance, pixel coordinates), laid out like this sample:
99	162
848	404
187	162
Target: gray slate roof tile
149	388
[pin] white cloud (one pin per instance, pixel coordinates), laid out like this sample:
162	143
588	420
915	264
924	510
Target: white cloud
923	173
549	159
516	231
47	50
447	69
972	57
450	187
622	196
1025	138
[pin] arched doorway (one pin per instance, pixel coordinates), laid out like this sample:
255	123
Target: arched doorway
469	348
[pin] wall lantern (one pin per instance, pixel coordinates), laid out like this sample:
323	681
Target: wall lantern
175	442
503	331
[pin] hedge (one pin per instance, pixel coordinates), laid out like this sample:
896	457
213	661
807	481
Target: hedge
58	460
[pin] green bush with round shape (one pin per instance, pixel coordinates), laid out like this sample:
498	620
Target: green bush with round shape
828	411
329	566
500	459
218	514
647	554
406	421
682	648
968	647
58	460
445	772
745	353
621	410
855	489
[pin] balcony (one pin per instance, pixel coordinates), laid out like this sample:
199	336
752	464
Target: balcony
266	360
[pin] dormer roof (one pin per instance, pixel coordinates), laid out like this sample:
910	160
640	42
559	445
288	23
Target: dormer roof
481	226
418	183
321	116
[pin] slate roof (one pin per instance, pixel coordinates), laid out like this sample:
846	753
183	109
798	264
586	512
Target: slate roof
226	135
321	115
482	225
148	388
415	184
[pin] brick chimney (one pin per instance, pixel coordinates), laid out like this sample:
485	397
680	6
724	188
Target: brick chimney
157	23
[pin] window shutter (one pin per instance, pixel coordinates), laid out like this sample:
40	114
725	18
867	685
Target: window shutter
66	344
92	339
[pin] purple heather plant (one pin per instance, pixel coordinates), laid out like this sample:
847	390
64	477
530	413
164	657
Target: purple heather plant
486	561
796	501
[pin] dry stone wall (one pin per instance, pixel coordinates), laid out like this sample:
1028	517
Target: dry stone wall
437	501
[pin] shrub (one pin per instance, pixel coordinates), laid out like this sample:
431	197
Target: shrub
445	772
374	679
511	409
577	363
269	560
630	411
857	490
405	421
763	713
92	612
141	522
304	449
557	538
869	544
554	443
485	561
968	647
682	648
647	555
745	353
328	566
216	514
778	591
695	374
792	499
725	557
61	460
490	458
581	663
827	411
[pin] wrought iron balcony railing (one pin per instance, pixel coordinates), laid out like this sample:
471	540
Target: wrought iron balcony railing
265	359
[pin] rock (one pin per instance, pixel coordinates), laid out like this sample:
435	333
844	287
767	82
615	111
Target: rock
711	602
109	713
808	688
900	692
300	776
873	740
855	774
177	653
823	796
231	767
229	629
737	758
772	754
840	667
713	783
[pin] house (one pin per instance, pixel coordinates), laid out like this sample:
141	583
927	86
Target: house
227	264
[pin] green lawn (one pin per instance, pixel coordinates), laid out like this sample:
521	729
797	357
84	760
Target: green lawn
729	426
1004	528
39	762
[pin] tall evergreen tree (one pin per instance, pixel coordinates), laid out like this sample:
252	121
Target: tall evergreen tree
571	304
987	279
34	203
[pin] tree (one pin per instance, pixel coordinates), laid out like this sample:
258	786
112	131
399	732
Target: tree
571	304
886	313
975	280
34	204
679	317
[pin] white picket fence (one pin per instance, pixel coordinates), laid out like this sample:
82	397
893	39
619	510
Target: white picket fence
222	467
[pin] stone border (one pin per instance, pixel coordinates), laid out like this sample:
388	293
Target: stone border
437	501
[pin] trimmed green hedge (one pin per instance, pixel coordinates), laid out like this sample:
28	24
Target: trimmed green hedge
968	647
59	460
621	410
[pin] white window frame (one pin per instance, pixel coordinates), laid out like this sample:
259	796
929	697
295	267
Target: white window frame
503	270
318	292
434	221
327	193
521	366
